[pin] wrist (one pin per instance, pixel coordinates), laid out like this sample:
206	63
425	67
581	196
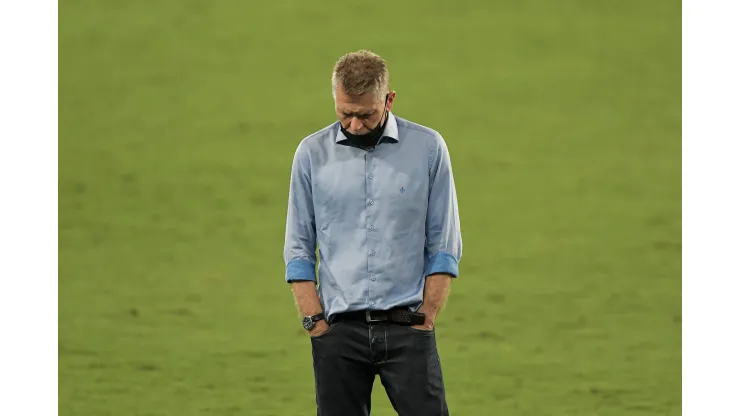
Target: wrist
310	321
429	312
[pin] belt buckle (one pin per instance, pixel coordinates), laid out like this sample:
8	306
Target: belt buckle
369	318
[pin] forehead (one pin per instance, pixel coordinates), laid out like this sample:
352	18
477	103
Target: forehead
355	103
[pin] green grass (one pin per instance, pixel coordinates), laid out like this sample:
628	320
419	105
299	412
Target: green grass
178	122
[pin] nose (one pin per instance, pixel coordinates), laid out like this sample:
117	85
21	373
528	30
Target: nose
355	125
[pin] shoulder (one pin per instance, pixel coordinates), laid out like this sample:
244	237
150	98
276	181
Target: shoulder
318	140
407	128
424	137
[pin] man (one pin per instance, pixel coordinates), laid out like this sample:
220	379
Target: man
376	193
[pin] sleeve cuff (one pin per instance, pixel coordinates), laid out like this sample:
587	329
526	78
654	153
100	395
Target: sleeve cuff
442	262
300	269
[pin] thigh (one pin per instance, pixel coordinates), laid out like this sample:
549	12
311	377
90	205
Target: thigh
412	373
343	373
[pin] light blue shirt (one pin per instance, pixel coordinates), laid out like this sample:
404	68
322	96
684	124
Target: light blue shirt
383	218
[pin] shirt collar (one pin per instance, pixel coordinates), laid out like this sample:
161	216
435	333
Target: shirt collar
390	131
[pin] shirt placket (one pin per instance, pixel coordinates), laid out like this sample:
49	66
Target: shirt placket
371	229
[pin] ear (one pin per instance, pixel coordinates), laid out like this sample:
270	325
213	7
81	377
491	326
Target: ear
391	99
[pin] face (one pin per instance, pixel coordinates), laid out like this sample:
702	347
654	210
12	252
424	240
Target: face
359	115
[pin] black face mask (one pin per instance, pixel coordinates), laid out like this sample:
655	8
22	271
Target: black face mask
369	139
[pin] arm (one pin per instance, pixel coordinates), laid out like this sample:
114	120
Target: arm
436	289
306	298
443	238
300	239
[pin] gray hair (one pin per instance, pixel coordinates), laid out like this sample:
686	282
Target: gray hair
359	73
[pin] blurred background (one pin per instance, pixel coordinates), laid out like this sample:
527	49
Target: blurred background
177	126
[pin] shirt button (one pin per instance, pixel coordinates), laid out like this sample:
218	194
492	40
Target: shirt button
372	227
372	303
370	176
372	253
372	202
373	278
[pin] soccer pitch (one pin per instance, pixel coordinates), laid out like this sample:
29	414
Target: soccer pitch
178	122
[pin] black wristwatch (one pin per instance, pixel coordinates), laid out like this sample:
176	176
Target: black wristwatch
310	321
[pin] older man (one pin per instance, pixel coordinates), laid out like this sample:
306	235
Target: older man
376	193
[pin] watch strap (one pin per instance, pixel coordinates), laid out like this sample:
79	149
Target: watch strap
318	317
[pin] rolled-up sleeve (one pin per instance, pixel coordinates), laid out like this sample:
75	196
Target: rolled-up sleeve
300	230
443	238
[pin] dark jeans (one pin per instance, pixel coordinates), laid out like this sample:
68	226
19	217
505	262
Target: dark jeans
349	355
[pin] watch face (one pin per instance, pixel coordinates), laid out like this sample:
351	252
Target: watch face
308	323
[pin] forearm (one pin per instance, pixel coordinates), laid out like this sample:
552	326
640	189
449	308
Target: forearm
443	246
436	289
306	298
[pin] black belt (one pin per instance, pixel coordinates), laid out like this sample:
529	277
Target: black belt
399	316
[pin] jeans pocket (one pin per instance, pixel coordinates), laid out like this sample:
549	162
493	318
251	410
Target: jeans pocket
419	331
331	327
